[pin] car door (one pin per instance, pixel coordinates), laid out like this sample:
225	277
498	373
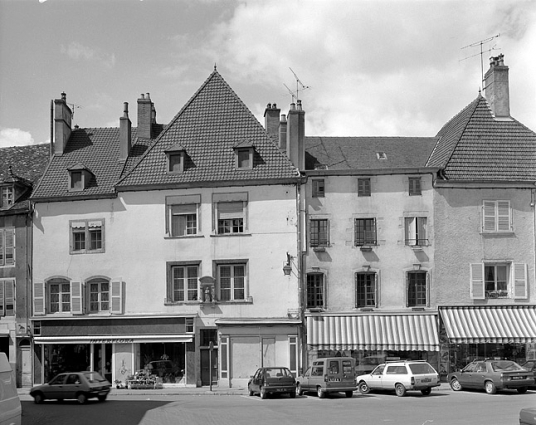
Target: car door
317	376
466	377
55	387
255	381
304	380
71	387
376	378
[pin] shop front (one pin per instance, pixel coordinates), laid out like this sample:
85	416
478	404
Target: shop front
500	332
373	338
118	348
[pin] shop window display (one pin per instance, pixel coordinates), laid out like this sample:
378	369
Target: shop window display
164	360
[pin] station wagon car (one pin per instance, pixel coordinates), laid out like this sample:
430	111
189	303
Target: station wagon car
492	375
272	380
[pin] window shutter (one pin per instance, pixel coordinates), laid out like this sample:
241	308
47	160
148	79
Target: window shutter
9	297
376	290
421	231
428	278
407	290
229	210
503	216
520	280
76	298
411	230
117	296
2	308
477	281
10	246
488	216
39	298
2	254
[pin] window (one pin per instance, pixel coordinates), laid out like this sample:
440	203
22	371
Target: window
184	283
496	216
230	217
315	290
99	295
189	322
365	231
182	215
415	231
363	187
7	297
175	162
76	180
417	287
7	247
319	232
414	186
232	282
208	336
87	236
59	299
79	177
365	286
498	280
318	188
244	158
7	196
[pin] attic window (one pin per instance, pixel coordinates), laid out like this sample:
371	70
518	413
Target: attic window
175	159
381	155
8	196
79	178
244	158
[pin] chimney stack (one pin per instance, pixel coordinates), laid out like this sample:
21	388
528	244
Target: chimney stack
146	116
62	124
296	135
271	120
283	133
496	87
125	141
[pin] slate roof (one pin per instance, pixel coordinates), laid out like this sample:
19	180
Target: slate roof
475	146
361	153
25	165
208	127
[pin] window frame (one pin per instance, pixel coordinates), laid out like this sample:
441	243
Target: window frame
171	266
7	250
233	288
516	281
240	160
414	186
62	284
417	293
98	281
318	187
494	219
318	237
362	297
7	297
416	226
365	240
171	164
7	196
364	186
315	291
88	233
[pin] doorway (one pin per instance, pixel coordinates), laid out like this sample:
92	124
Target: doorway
206	363
26	363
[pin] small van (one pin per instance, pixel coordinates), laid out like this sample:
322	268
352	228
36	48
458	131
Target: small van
328	375
10	408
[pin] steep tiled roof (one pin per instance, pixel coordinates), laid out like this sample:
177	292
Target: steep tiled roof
474	145
344	153
208	127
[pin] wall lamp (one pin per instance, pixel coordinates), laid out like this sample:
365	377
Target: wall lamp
287	267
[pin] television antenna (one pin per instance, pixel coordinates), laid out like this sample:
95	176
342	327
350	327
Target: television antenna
481	43
299	86
73	107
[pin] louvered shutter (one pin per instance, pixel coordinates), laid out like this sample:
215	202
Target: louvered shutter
2	308
520	280
411	231
421	231
477	282
10	247
488	216
39	298
2	250
77	306
9	297
117	296
503	216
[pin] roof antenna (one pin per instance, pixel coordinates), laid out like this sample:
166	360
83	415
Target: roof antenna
480	43
298	84
73	107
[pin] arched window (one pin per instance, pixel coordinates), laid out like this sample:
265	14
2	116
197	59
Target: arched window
99	295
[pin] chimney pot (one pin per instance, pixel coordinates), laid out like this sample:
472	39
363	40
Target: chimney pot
125	109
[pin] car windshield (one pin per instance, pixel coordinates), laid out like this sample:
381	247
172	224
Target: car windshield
421	368
278	372
94	377
499	366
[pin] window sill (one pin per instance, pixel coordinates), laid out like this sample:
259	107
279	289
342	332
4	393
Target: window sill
97	251
314	309
319	248
233	235
504	233
248	300
366	247
184	237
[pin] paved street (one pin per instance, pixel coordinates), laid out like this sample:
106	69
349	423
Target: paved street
442	407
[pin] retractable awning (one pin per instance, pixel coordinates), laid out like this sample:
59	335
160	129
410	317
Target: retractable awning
495	324
402	332
111	339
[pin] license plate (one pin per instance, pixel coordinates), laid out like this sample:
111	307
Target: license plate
334	379
280	389
426	380
518	377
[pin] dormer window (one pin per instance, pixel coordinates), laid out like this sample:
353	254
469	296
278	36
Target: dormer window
244	155
79	177
175	159
7	197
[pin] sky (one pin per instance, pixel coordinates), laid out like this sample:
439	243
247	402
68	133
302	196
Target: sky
362	68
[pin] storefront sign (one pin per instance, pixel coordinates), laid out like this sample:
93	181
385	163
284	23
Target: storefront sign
111	341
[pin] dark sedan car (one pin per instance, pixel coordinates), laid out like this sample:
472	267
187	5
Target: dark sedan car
272	380
77	385
492	375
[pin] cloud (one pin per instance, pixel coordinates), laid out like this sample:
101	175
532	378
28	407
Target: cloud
15	137
77	51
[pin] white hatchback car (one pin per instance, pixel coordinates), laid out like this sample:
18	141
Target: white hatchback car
400	376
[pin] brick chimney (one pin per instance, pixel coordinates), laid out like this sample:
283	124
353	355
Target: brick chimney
62	124
283	133
146	116
271	120
496	87
125	141
295	135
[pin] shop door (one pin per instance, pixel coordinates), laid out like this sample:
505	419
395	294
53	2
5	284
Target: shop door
26	360
205	366
268	352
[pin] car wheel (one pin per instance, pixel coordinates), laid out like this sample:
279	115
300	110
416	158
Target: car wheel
490	387
320	392
102	398
299	390
364	388
400	390
292	394
38	398
522	390
264	394
455	384
81	398
349	394
426	391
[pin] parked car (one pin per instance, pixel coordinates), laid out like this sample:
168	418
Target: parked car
531	365
400	377
272	380
77	385
492	375
527	416
10	407
328	375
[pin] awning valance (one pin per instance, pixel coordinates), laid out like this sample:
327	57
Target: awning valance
111	339
496	324
402	332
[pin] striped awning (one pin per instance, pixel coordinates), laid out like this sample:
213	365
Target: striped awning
496	324
402	332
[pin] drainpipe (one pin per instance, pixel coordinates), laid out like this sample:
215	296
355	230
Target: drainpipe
300	199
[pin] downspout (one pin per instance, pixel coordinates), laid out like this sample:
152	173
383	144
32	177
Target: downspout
51	128
301	264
